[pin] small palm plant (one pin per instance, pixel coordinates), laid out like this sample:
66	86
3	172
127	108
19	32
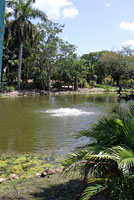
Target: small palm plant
109	159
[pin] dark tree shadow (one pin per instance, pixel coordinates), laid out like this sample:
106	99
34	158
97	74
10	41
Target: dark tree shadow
64	191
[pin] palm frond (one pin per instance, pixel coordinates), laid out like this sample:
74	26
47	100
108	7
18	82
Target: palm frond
109	155
74	157
125	157
107	132
120	113
100	157
131	110
87	164
118	129
91	190
11	3
37	13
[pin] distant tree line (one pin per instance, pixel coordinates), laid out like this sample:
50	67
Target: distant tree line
35	56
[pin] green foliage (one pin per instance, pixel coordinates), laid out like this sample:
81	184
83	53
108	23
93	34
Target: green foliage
107	81
83	83
57	85
9	88
23	166
95	71
114	63
91	190
93	83
110	155
21	27
45	57
107	88
121	188
127	83
100	86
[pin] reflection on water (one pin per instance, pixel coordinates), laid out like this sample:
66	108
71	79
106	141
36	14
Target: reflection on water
49	123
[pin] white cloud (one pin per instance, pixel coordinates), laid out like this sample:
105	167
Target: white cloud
108	4
127	26
53	8
128	43
70	12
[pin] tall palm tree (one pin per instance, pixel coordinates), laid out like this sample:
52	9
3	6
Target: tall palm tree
110	155
22	27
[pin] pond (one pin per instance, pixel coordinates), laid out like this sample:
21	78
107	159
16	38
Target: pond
49	124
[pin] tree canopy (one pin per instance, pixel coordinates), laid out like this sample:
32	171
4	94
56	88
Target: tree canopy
35	56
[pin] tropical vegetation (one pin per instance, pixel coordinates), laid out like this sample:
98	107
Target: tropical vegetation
107	162
21	27
35	56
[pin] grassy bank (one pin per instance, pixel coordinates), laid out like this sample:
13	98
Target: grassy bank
21	175
49	188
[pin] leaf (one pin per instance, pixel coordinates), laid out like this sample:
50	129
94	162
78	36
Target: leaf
91	190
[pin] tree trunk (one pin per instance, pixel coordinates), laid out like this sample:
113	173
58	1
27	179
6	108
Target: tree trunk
75	83
20	64
120	88
48	80
2	72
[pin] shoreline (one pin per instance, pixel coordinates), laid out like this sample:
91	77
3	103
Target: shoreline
37	92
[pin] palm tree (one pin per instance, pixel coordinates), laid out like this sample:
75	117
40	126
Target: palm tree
22	28
109	158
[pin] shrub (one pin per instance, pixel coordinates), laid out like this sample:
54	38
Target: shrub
93	83
10	88
127	83
83	83
57	85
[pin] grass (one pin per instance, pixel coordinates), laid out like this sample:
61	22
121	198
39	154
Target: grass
107	88
28	186
49	188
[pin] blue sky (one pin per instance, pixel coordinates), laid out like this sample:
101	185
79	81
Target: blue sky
93	25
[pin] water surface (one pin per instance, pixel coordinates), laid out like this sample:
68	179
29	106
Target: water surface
49	123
